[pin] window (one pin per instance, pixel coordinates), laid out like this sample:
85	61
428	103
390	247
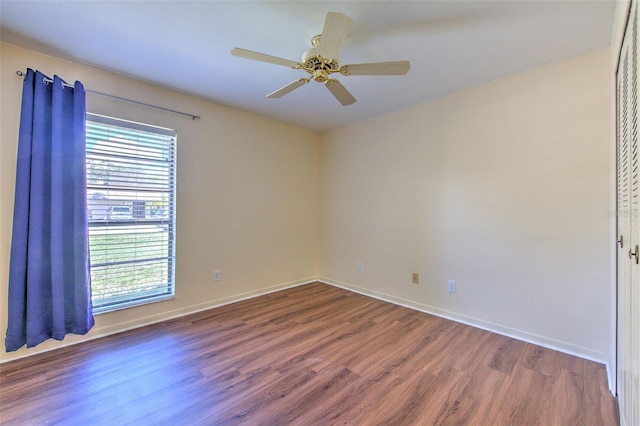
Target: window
131	170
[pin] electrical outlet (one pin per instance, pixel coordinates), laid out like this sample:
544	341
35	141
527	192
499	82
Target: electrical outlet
451	286
216	275
415	278
360	267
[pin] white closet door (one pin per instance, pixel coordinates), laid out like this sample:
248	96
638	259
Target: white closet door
633	322
628	204
623	216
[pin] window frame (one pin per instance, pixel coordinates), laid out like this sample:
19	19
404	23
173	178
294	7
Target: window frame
170	222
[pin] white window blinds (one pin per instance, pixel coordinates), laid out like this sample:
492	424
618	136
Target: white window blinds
131	171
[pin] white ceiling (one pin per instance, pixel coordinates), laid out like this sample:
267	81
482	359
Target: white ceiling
184	45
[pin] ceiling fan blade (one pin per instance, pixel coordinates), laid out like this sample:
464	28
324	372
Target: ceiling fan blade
288	88
377	68
256	56
336	27
340	92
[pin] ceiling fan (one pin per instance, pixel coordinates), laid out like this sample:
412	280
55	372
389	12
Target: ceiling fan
322	60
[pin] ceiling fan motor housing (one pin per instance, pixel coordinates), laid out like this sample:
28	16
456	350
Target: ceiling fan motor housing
316	65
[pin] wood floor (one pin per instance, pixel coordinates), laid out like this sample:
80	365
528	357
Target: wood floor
311	355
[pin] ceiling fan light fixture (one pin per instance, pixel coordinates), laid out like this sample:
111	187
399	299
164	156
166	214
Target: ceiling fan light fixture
320	75
309	54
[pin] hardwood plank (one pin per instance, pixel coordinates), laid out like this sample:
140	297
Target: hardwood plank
310	355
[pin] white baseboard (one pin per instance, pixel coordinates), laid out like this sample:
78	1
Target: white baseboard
536	339
104	331
546	342
193	309
610	378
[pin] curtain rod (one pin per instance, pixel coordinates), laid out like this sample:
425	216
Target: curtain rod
94	92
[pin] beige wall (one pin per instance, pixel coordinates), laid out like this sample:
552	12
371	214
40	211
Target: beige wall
247	193
504	187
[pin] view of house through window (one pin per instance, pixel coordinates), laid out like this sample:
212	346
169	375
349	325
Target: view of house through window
131	171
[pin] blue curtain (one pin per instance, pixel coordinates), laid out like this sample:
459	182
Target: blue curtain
49	278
